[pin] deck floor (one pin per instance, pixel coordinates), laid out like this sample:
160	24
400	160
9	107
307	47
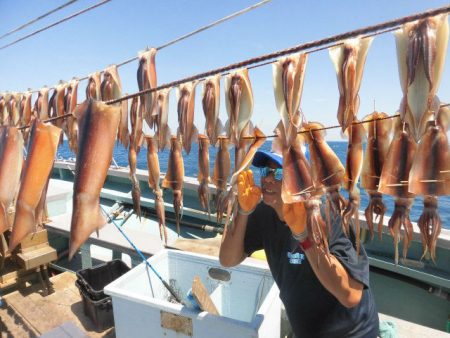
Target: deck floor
29	312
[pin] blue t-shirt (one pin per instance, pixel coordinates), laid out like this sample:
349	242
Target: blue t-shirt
311	309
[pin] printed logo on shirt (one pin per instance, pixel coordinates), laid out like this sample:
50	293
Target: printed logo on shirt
295	257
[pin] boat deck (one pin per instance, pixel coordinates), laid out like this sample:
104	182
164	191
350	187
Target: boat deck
30	312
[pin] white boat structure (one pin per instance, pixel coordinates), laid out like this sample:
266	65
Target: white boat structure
416	293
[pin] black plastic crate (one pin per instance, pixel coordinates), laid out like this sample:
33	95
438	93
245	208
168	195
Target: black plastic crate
99	311
96	278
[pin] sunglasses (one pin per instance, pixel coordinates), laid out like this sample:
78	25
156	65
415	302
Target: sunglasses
277	172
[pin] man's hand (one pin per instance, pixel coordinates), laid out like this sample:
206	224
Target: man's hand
249	194
295	216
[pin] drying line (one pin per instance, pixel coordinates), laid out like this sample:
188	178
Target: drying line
55	23
51	119
37	19
384	27
325	128
201	29
249	137
185	36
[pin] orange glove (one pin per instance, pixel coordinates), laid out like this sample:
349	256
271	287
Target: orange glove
249	194
295	216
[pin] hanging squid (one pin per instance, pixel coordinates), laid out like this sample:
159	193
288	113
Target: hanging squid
41	107
123	134
394	181
25	114
11	161
111	89
187	131
244	153
162	133
203	173
111	86
288	77
93	87
98	125
135	188
70	103
146	78
57	109
41	152
211	103
326	168
349	60
56	104
222	167
353	168
4	116
174	178
153	183
377	147
239	103
13	109
297	184
421	52
430	177
136	138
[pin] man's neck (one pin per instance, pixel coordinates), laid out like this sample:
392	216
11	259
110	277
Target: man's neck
279	210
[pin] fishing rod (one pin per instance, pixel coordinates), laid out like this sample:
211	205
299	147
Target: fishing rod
168	287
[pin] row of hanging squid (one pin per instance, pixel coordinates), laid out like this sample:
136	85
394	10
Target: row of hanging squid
416	162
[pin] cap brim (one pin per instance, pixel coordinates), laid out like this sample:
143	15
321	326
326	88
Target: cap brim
263	158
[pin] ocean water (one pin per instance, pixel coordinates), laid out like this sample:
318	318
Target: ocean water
191	169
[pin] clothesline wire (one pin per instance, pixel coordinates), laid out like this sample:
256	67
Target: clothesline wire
51	119
185	36
326	128
369	31
383	27
40	17
55	23
268	136
248	137
324	47
201	29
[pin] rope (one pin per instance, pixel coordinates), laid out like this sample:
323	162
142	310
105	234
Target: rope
323	43
201	29
51	119
38	18
55	24
325	128
253	137
183	37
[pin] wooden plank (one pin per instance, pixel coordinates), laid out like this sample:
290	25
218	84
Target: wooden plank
34	241
202	297
205	246
12	274
44	312
37	257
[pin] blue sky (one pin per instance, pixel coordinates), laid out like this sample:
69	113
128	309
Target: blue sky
116	31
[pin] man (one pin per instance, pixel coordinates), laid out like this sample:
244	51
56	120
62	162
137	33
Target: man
324	296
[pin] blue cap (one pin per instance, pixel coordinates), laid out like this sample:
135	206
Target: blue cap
262	158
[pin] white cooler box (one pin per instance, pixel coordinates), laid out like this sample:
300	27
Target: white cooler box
246	297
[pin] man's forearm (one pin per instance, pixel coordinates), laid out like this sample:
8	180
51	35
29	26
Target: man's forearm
232	246
334	277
